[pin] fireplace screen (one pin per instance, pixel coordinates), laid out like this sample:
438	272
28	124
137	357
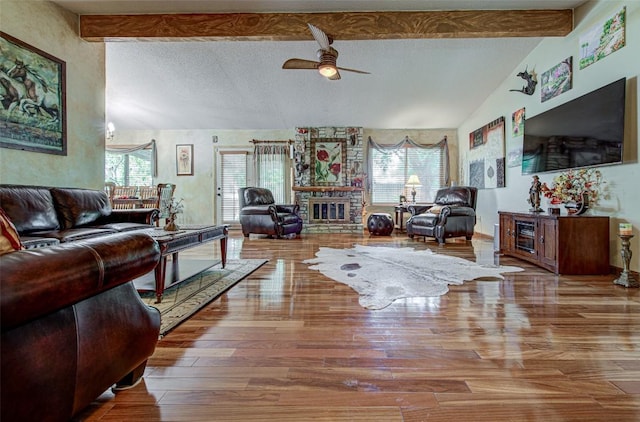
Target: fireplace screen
325	210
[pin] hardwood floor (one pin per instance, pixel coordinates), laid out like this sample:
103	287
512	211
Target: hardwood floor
289	344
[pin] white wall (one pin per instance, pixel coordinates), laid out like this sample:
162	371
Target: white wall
48	27
623	204
199	190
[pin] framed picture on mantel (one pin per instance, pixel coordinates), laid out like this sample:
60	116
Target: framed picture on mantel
328	161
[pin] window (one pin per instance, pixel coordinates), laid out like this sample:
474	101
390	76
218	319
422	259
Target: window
129	169
392	165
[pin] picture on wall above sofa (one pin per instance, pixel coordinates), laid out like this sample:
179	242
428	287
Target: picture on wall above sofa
33	103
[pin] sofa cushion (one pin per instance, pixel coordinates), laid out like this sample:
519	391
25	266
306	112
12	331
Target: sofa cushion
9	239
70	235
79	207
435	209
35	242
124	226
29	208
258	196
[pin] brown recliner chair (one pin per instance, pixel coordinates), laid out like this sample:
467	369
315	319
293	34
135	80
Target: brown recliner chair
453	215
259	214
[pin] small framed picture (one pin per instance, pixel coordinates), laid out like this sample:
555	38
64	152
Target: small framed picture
184	160
403	199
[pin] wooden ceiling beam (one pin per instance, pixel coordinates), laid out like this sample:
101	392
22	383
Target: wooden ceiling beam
340	26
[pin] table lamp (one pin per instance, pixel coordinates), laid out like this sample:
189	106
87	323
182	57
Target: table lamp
412	183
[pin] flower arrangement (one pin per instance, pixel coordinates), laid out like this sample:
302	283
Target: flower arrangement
173	209
569	186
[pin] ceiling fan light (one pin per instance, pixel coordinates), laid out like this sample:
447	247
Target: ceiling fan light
327	70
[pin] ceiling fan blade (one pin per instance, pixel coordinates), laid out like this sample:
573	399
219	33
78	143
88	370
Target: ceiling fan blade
334	77
320	36
300	64
354	70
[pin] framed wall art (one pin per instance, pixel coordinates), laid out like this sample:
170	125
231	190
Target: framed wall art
603	39
33	102
184	160
487	160
328	161
557	80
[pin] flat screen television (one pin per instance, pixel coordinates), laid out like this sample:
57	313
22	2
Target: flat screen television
584	132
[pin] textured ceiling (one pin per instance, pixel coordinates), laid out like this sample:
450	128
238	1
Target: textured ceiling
426	83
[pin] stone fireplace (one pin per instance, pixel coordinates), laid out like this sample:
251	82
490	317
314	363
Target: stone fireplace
330	197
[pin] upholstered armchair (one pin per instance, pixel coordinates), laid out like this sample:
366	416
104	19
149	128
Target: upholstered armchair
259	214
453	215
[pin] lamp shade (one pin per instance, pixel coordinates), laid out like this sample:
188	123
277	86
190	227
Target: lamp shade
413	181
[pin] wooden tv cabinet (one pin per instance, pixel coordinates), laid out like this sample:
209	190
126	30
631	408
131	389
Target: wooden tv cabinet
562	244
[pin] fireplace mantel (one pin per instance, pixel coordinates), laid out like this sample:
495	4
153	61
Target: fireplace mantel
327	189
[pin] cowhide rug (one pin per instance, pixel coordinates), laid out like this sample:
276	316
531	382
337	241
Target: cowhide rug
382	274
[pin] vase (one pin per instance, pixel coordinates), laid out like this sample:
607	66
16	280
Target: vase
171	225
578	208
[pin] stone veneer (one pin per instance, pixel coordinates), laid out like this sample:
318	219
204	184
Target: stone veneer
354	172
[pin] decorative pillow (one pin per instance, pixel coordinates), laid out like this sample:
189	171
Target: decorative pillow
435	209
9	238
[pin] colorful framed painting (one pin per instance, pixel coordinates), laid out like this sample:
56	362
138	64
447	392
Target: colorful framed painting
328	161
184	160
557	80
517	123
33	102
603	39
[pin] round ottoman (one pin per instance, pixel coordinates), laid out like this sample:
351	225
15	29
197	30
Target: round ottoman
380	224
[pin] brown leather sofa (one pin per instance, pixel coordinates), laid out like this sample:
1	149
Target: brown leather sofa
260	214
73	324
45	216
453	215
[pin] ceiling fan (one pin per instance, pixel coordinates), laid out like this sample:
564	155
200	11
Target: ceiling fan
327	55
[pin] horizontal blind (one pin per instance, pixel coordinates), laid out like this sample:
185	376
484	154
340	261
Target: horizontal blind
429	165
388	175
233	176
392	168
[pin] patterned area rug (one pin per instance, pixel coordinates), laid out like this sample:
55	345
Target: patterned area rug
382	274
184	299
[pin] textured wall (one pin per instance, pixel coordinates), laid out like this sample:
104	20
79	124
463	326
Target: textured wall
623	202
49	28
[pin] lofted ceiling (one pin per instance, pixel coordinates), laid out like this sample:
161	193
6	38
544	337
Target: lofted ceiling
428	80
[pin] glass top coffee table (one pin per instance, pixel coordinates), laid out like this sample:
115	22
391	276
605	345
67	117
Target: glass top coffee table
171	243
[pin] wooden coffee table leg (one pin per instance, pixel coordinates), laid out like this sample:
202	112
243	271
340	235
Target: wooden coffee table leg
160	273
223	250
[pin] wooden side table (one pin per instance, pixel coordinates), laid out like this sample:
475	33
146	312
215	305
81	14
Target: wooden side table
400	209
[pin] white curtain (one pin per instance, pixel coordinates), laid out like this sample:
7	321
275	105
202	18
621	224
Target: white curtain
271	161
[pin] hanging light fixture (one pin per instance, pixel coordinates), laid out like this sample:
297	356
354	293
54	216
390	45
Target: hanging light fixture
327	70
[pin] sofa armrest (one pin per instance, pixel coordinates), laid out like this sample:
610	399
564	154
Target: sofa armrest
136	215
255	210
37	282
448	211
288	208
418	209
